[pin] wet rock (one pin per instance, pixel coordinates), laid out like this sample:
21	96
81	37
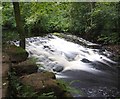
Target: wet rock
58	68
26	67
45	46
17	54
52	50
50	36
94	46
85	60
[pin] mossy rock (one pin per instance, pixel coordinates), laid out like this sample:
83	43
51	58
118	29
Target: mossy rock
58	34
37	76
37	80
43	83
17	54
26	67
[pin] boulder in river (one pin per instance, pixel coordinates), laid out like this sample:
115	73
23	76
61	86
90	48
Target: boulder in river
85	60
58	68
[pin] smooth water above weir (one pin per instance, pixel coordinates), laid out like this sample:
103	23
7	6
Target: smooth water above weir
87	69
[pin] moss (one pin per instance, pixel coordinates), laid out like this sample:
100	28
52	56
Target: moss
58	34
17	54
31	60
15	49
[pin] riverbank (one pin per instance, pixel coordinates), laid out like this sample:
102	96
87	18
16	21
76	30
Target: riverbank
62	57
21	79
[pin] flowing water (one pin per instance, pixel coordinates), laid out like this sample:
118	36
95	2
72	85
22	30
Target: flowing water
85	67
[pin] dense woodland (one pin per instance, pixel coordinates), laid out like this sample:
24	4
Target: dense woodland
94	21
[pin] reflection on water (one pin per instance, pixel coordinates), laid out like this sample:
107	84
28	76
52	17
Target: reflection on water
71	61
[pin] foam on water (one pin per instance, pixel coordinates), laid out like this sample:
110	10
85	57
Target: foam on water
64	53
71	62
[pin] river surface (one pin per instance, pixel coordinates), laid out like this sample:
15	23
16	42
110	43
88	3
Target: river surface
85	66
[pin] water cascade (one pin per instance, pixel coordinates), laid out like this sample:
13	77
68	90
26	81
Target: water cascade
90	69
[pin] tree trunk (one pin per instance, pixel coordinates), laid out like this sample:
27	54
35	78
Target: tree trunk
92	6
19	24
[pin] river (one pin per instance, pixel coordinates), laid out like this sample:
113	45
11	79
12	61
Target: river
85	65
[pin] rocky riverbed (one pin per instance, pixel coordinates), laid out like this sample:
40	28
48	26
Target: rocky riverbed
90	66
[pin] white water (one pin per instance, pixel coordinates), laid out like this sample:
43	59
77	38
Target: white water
54	52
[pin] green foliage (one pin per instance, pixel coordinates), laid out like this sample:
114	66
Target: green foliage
49	95
18	90
33	60
8	19
48	17
109	38
67	87
15	50
91	20
9	36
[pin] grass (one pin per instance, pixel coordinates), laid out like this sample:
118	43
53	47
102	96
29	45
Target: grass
68	88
